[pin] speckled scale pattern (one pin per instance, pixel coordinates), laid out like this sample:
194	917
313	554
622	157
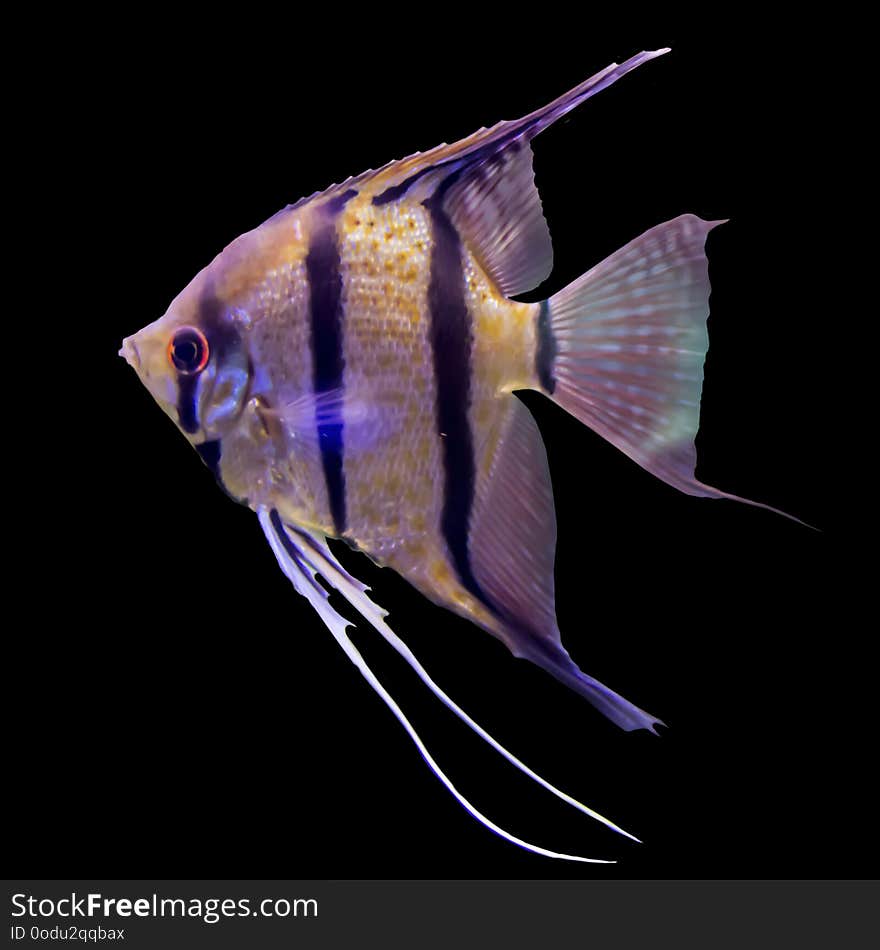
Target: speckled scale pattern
394	476
394	486
272	312
395	482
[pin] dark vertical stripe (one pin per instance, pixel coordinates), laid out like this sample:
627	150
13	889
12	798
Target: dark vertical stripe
210	454
545	353
451	335
328	363
222	338
187	411
335	205
457	163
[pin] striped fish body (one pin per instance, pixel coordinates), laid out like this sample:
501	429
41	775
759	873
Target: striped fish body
347	369
430	350
361	349
383	305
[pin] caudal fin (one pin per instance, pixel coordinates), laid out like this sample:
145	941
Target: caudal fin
622	349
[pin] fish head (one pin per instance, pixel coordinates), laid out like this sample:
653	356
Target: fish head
194	362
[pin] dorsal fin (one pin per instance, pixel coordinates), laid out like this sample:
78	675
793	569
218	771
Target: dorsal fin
485	167
396	178
488	187
497	210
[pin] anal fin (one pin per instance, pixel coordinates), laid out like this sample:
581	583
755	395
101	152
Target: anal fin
512	550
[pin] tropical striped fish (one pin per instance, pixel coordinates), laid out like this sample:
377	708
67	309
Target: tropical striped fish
347	370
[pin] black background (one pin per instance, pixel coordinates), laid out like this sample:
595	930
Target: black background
178	710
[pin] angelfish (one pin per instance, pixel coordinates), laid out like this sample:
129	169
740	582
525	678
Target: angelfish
347	370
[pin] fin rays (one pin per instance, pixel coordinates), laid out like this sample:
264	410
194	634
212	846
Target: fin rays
303	557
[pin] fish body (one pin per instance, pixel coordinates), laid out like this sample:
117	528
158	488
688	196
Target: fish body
382	488
347	370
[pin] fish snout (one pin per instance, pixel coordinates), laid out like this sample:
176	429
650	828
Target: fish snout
129	353
146	353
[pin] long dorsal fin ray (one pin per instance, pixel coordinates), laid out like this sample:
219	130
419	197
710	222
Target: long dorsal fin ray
394	179
484	143
303	556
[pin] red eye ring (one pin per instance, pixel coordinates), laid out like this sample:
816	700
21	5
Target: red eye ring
188	350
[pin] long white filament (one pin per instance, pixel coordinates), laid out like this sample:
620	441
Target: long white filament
298	574
320	558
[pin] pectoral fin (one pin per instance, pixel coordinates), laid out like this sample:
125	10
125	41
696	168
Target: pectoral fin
312	416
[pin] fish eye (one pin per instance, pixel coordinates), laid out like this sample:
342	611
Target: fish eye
188	350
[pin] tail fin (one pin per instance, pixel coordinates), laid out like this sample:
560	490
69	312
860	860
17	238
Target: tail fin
622	349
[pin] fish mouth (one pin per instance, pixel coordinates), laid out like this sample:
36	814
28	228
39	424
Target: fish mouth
129	353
